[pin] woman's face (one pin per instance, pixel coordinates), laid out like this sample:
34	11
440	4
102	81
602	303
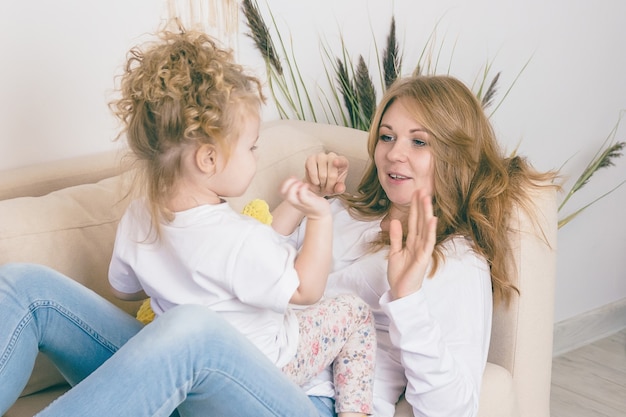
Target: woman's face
403	156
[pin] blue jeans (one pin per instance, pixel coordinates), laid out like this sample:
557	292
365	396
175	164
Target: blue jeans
188	359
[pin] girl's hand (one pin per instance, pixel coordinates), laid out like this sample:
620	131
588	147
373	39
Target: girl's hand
298	194
326	173
407	265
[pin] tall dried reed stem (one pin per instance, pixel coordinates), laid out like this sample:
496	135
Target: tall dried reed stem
392	61
604	158
260	34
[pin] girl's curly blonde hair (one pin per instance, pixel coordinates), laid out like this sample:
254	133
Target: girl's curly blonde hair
181	91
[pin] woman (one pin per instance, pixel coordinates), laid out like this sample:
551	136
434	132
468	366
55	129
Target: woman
435	173
431	137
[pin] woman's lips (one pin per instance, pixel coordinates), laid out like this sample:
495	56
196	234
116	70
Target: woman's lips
397	178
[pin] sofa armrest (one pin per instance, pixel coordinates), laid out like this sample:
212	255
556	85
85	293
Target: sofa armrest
522	335
41	179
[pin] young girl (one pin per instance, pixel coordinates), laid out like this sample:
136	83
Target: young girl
192	119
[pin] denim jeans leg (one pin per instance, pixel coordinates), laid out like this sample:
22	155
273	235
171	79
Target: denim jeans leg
192	359
43	310
188	358
325	406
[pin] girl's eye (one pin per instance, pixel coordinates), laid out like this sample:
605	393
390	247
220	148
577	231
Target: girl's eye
386	138
419	143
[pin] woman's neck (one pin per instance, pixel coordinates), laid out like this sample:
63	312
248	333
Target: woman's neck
395	212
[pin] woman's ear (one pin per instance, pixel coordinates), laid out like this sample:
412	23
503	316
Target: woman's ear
206	158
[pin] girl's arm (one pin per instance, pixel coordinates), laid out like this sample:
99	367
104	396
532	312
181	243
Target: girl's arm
313	261
121	275
140	295
286	218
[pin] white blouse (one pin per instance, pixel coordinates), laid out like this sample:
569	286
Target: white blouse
433	344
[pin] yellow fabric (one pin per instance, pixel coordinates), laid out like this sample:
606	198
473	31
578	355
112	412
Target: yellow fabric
257	209
145	313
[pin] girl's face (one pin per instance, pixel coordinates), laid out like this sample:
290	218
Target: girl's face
403	156
236	173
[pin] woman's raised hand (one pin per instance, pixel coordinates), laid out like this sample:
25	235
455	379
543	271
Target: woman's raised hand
326	173
408	263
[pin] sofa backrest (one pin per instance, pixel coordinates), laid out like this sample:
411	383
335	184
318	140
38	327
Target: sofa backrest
70	230
40	179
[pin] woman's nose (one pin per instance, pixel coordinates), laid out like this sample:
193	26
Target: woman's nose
398	151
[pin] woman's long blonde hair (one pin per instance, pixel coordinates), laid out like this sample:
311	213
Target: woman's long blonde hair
475	185
183	90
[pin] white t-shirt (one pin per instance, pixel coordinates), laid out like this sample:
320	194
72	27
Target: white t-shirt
214	256
434	342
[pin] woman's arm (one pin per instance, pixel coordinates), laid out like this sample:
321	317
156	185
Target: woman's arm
442	325
443	332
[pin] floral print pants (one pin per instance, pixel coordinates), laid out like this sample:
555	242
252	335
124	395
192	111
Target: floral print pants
338	331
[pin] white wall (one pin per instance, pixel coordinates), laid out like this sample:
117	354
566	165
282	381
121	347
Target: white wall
59	59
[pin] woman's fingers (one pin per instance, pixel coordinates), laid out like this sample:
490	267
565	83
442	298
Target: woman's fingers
412	221
395	236
326	173
311	172
316	169
339	171
427	225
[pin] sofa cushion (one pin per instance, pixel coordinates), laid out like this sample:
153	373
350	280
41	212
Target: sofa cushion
44	375
71	230
32	404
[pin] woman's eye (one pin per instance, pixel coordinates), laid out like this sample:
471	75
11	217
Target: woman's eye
386	138
419	142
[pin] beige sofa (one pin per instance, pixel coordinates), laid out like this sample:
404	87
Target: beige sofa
64	215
